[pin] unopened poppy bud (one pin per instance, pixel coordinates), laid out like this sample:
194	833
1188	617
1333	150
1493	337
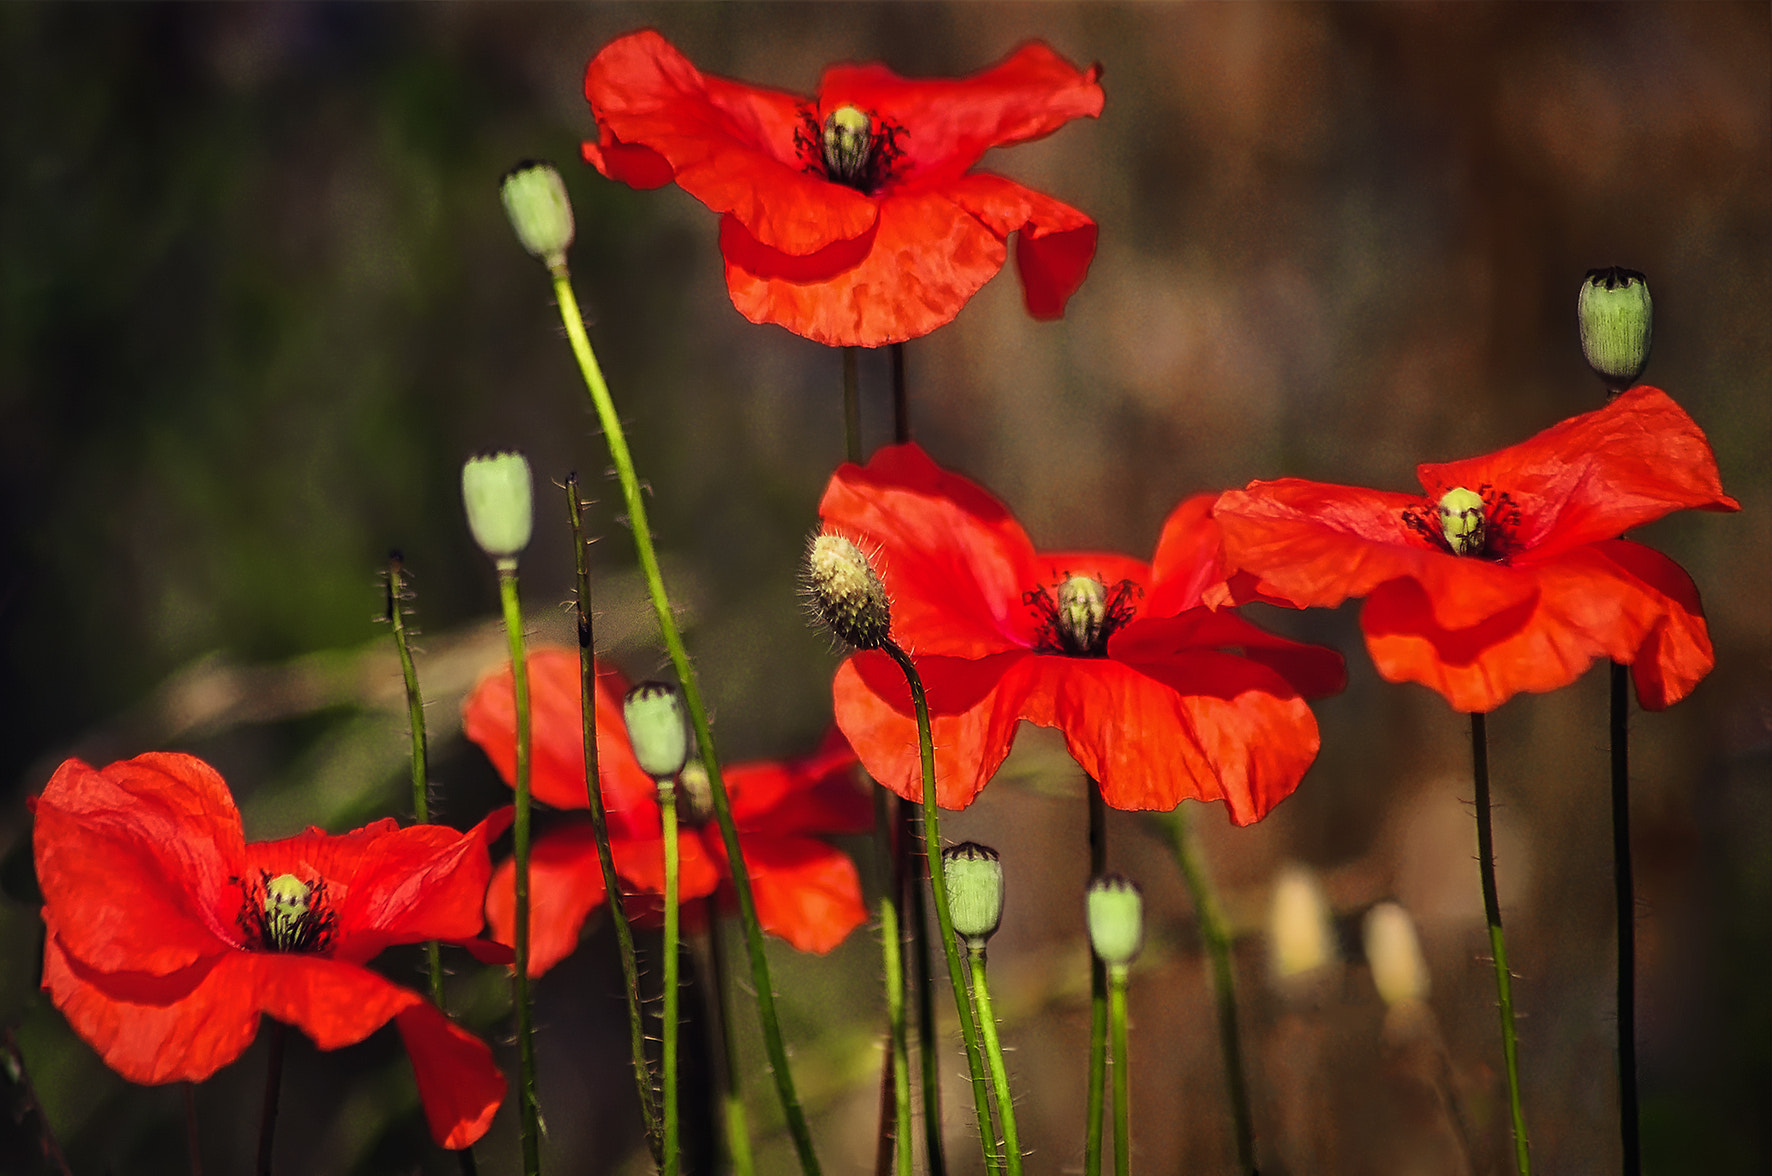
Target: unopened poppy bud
286	905
1617	321
656	729
848	144
975	891
1082	610
1300	937
1399	970
1116	919
695	795
495	488
1462	521
847	593
535	200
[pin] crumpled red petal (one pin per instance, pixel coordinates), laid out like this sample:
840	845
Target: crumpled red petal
1055	245
565	886
458	1083
1677	654
817	793
806	892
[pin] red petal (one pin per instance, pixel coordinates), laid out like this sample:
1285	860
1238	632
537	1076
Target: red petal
818	793
1597	475
556	724
928	257
1314	671
954	560
565	886
1677	653
1056	244
950	123
640	862
731	146
136	861
807	893
458	1083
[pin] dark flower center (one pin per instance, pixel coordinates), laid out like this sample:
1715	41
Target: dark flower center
1478	522
1079	615
286	914
850	147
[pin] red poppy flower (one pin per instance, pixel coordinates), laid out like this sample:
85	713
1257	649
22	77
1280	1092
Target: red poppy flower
169	934
852	217
1160	698
806	892
1544	587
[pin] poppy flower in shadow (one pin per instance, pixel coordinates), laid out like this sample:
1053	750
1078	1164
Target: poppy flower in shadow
807	892
169	934
1507	574
1160	698
853	217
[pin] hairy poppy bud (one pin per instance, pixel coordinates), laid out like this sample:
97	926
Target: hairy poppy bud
495	488
846	592
535	200
1617	321
1116	919
975	891
1462	521
1399	971
656	728
848	142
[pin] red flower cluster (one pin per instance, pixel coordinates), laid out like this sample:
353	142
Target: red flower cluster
169	935
806	892
852	218
1519	582
1160	698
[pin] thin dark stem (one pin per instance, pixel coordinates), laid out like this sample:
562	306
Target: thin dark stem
267	1119
851	407
1098	1001
913	869
1498	948
624	933
901	408
1624	893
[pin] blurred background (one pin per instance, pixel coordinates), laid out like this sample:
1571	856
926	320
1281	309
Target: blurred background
258	301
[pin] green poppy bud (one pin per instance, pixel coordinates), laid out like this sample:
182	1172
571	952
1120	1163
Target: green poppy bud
1617	321
1462	521
846	592
848	145
975	891
656	728
1116	919
535	200
1082	611
1399	970
495	488
286	907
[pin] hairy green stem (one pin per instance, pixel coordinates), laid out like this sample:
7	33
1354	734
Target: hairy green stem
1504	991
895	1099
1122	1071
1215	934
1098	1010
738	1134
528	1113
943	913
635	504
914	867
1624	894
987	1026
415	715
667	811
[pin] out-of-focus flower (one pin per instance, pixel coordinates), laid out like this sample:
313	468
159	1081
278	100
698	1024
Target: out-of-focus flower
169	934
852	217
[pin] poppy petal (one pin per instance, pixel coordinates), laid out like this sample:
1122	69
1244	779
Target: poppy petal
806	892
565	886
1055	245
142	857
817	793
1313	671
458	1082
1597	475
640	862
1677	653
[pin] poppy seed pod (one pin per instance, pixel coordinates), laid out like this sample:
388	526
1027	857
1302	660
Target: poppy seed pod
496	490
535	200
1617	320
1116	919
1462	521
846	592
656	728
975	891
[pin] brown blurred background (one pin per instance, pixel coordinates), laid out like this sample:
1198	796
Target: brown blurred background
258	301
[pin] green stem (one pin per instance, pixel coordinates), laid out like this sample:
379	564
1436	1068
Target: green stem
624	932
1504	992
667	809
1625	897
851	407
529	1115
987	1026
914	868
895	1100
738	1135
943	914
267	1119
1215	933
667	623
1098	1004
1122	1071
415	716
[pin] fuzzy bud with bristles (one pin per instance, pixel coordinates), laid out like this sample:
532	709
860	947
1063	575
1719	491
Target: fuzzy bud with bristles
496	489
1116	920
975	891
847	593
535	199
656	728
1617	320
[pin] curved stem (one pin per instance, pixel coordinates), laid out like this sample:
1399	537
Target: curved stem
529	1116
1217	938
698	715
1624	895
1510	1049
618	916
1122	1072
267	1119
1098	1010
667	811
987	1027
943	914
